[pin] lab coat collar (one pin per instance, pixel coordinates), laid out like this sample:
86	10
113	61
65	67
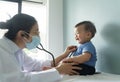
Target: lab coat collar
10	46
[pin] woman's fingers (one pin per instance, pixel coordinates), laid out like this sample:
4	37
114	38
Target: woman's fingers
68	68
74	73
76	67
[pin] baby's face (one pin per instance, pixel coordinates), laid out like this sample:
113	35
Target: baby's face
81	35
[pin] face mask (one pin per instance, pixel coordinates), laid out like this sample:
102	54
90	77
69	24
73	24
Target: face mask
35	42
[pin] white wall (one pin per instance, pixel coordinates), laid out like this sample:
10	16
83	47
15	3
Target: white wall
105	14
55	26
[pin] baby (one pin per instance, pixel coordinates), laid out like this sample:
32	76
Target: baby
85	53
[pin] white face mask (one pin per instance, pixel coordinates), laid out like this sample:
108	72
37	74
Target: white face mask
35	42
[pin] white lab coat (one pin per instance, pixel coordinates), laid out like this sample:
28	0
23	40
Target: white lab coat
30	64
10	70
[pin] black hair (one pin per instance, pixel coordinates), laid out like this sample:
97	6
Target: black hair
89	26
18	22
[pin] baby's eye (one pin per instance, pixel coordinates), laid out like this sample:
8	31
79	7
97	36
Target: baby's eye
77	32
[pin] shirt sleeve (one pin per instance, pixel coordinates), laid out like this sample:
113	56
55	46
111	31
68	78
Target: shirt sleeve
89	48
32	64
51	75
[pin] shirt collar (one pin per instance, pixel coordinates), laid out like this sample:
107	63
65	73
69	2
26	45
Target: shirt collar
13	48
84	43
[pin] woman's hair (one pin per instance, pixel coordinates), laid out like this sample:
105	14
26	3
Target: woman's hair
18	22
89	26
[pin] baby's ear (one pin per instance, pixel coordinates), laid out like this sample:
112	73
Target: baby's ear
89	34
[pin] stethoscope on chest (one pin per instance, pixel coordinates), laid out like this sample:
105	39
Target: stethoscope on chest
72	53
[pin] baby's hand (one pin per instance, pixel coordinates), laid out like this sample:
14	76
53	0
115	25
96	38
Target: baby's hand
70	49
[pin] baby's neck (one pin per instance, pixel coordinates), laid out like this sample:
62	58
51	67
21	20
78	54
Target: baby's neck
86	41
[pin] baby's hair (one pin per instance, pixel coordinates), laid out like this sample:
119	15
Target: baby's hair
89	26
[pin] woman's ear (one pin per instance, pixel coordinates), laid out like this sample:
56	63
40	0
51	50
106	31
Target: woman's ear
20	34
23	34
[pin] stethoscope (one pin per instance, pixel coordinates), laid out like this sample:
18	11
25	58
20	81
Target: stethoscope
42	48
72	53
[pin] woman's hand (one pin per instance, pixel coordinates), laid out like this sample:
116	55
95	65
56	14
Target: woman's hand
46	68
68	68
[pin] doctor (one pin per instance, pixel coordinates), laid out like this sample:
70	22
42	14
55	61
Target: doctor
15	65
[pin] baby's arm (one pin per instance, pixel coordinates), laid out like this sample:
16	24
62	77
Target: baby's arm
84	57
65	54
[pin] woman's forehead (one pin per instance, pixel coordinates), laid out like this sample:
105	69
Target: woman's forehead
35	27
